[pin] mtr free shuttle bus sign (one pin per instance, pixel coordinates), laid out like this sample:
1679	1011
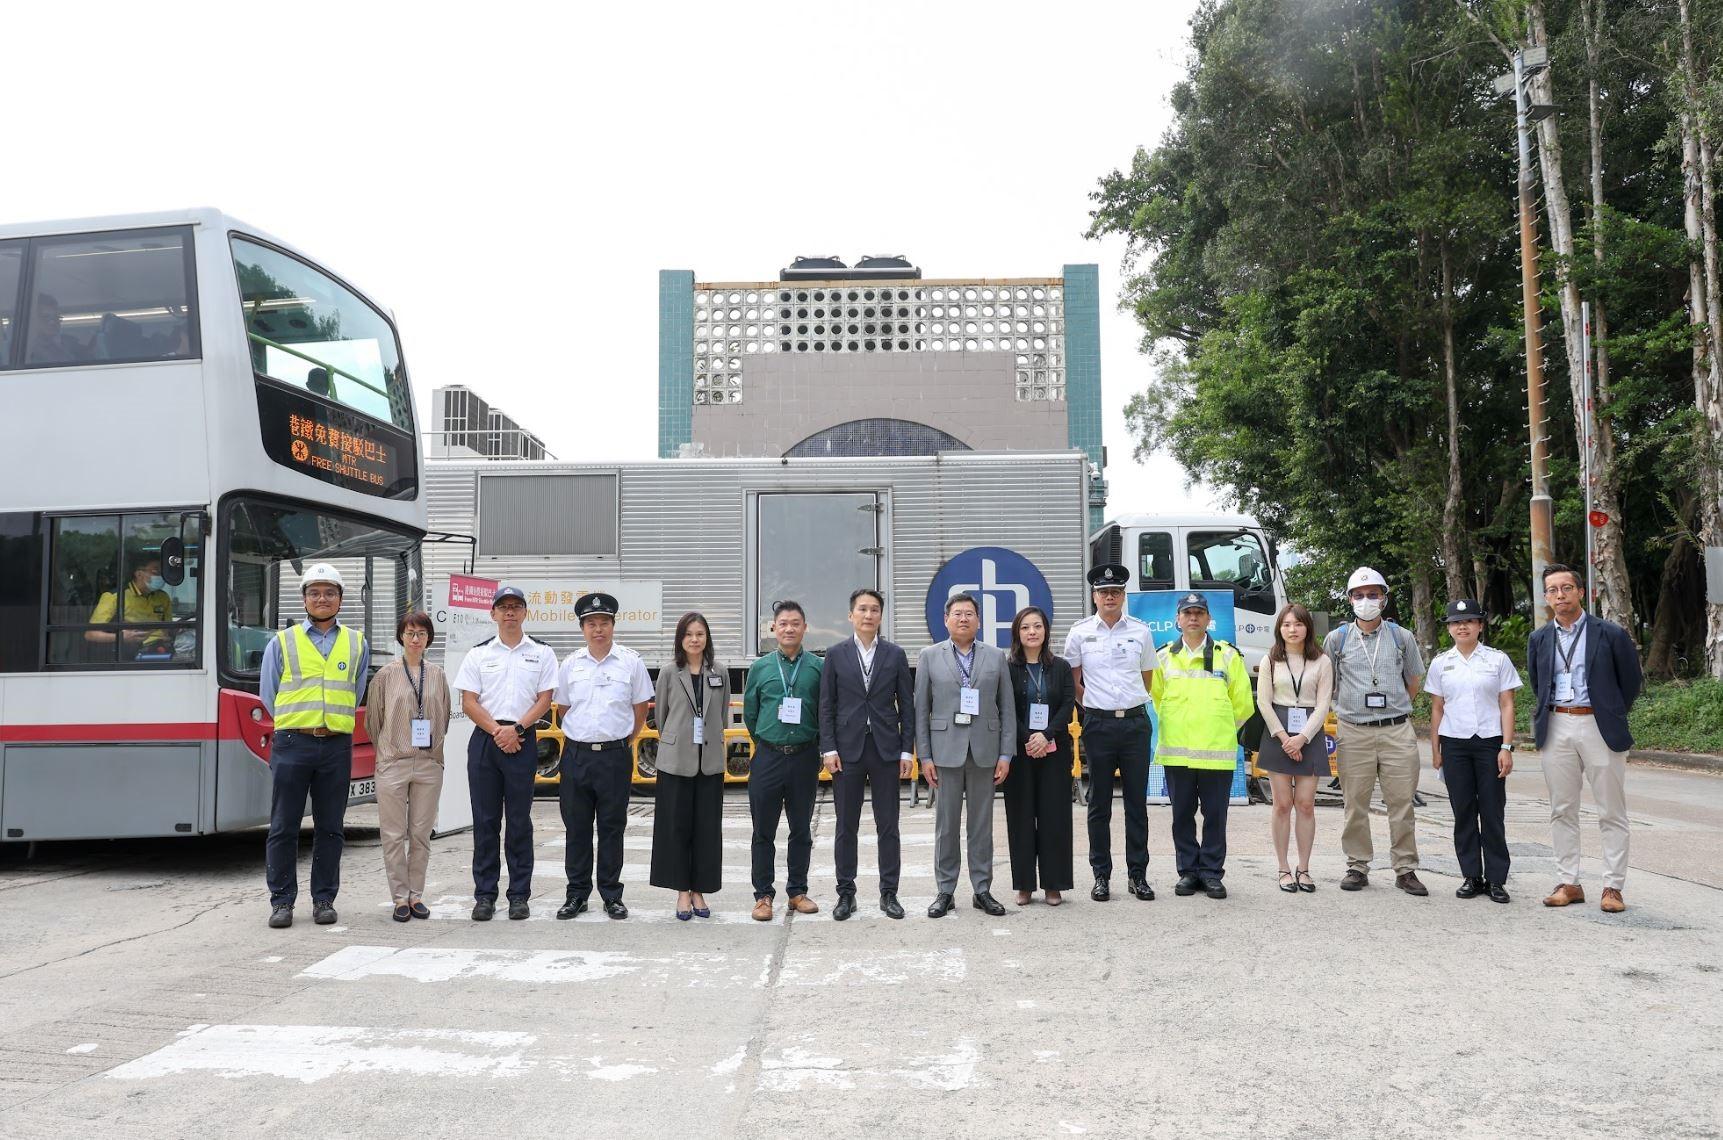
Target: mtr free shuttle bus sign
335	445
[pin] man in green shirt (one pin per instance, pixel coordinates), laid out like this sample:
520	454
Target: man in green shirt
780	708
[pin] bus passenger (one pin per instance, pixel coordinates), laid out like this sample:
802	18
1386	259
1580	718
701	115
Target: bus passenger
407	717
687	826
46	343
311	682
506	683
146	601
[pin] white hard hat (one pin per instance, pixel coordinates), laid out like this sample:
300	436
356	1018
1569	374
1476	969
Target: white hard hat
323	572
1365	576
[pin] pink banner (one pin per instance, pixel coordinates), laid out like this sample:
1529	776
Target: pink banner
471	593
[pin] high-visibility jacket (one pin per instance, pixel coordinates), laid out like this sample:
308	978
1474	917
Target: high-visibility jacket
317	691
1201	697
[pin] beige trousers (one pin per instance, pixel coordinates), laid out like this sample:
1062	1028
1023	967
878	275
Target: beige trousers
1365	757
407	791
1574	752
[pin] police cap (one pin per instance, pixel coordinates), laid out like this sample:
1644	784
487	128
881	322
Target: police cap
1465	609
589	604
1109	576
1193	601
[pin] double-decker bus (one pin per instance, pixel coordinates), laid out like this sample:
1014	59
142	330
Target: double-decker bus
191	414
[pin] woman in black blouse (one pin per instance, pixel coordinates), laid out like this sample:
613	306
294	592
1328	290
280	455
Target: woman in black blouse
1038	788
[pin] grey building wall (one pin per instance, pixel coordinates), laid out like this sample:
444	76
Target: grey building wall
971	396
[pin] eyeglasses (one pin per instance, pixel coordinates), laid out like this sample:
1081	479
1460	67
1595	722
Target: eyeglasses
416	635
1560	591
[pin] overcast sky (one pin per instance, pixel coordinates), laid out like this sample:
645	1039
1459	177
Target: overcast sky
510	178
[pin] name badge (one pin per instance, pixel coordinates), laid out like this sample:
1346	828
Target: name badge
790	710
699	730
1296	718
962	718
969	701
421	734
714	681
1563	687
1375	700
1037	718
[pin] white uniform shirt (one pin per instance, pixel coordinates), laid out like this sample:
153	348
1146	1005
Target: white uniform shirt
1113	661
598	697
507	681
1469	689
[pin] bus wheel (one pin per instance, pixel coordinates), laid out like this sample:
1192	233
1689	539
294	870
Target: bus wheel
549	758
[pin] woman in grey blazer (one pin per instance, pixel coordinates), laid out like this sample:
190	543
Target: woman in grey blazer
687	826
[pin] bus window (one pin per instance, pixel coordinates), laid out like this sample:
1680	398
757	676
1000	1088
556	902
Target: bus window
309	331
1155	560
20	592
1232	560
108	604
11	263
111	298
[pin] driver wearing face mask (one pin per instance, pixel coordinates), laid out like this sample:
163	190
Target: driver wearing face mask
146	601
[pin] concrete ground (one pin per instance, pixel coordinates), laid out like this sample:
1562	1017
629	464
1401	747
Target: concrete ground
142	995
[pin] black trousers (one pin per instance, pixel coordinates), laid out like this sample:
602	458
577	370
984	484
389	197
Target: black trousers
301	765
594	789
780	785
499	785
1038	820
881	773
1112	744
688	833
1208	789
1480	800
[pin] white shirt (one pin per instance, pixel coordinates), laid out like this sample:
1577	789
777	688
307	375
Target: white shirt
598	697
507	681
1113	660
866	652
1469	688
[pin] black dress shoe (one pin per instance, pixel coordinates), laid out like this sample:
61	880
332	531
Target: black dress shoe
571	908
1214	888
518	909
889	904
1187	885
1471	888
846	906
615	909
1100	892
1141	888
281	917
322	913
483	909
1498	893
984	900
942	905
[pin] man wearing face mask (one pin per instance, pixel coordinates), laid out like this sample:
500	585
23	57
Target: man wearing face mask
1379	671
147	602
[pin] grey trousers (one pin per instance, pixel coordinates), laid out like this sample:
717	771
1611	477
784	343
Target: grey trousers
972	782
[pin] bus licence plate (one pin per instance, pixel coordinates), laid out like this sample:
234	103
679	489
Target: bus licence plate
361	790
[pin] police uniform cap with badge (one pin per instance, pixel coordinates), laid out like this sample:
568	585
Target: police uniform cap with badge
601	604
1109	576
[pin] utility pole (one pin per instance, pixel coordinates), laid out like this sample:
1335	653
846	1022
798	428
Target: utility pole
1528	61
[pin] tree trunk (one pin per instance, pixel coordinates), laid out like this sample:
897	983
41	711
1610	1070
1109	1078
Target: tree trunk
1667	630
1453	565
1614	599
1558	214
1423	619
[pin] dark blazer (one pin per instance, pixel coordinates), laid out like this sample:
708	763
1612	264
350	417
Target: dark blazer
1612	678
848	706
1060	695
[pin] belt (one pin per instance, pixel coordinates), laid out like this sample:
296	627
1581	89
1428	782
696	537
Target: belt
598	745
1572	710
1136	713
317	732
1383	723
788	749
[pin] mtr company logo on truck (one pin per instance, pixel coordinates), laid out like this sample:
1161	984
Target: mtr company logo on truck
1002	580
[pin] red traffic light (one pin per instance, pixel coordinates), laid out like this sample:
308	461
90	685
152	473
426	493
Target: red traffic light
1598	518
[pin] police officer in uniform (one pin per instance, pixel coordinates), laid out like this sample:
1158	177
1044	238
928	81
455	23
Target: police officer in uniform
604	690
1111	655
311	681
506	683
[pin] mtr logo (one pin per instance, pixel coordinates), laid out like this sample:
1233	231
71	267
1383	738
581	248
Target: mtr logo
1002	580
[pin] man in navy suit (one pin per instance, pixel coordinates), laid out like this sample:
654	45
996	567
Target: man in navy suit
1585	675
867	717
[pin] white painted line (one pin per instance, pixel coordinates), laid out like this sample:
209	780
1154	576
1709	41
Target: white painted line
271	958
809	969
796	1068
534	967
311	1053
455	908
86	1047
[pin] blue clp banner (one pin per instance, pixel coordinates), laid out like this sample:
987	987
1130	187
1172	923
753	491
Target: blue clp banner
1158	609
1002	580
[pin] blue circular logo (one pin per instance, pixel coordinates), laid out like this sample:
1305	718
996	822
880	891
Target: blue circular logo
1002	580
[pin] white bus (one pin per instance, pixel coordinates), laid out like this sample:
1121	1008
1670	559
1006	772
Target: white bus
193	413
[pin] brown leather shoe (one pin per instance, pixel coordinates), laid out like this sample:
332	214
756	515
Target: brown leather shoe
1564	894
763	910
1408	882
802	904
1612	901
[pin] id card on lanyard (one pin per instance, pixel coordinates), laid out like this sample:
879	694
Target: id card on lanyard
790	708
968	699
1564	687
1038	714
421	725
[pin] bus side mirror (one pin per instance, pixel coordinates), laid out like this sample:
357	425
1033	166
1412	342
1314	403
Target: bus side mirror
173	561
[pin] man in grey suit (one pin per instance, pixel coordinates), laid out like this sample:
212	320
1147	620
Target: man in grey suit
966	733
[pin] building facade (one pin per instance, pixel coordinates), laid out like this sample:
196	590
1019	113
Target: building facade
464	426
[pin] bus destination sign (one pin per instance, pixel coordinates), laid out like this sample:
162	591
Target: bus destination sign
335	445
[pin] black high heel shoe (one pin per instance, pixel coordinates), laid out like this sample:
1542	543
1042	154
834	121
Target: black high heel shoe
1305	882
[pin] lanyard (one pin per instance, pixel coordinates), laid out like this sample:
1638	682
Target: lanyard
700	692
865	656
419	689
1572	642
966	670
1297	680
1037	675
794	669
1371	649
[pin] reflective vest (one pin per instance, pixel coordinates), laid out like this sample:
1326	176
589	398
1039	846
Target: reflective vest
1199	709
316	691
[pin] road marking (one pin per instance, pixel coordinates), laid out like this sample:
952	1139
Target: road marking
535	967
456	908
310	1053
86	1047
886	969
795	1068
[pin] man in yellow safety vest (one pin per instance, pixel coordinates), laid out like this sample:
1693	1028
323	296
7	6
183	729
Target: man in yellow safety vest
312	682
1202	695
